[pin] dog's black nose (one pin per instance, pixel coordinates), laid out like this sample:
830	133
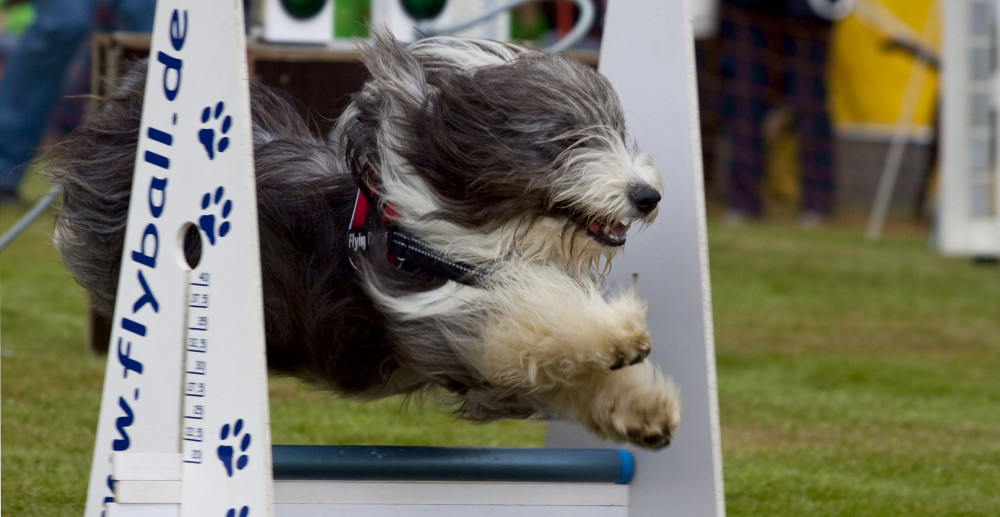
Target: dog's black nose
643	197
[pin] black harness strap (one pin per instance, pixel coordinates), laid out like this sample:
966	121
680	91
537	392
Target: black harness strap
406	251
409	250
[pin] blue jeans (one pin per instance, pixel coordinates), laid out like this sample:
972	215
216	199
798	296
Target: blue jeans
33	78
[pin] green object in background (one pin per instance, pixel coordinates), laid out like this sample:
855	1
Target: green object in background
303	9
350	18
423	9
16	17
531	26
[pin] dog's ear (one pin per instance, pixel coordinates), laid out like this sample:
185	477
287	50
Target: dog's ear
395	93
385	115
398	75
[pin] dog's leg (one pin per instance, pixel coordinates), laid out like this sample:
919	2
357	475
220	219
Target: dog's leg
548	329
565	346
635	404
551	342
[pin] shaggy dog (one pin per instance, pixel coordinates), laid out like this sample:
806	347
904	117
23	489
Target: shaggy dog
500	183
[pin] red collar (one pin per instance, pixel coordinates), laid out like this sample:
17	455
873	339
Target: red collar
357	236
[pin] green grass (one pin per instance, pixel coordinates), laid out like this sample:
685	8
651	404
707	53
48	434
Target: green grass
854	379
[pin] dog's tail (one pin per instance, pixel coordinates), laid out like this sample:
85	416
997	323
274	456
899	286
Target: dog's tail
94	167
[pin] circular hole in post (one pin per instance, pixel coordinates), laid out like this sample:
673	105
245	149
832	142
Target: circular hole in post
189	245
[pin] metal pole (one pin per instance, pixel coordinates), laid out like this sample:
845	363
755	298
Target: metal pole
897	147
30	217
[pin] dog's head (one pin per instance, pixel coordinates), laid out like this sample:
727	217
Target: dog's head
493	152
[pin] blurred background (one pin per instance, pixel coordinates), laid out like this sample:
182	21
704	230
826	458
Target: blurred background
800	107
806	105
849	163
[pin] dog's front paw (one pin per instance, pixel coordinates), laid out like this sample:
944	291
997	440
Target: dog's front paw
649	427
632	349
628	342
639	406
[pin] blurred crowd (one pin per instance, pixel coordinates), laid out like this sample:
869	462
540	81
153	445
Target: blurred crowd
764	75
47	59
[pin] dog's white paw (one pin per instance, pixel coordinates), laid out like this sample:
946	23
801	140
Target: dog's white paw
648	422
628	342
632	348
550	331
637	405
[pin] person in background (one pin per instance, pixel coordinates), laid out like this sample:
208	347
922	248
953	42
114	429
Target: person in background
35	72
774	54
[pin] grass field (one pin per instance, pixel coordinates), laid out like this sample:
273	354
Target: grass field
854	379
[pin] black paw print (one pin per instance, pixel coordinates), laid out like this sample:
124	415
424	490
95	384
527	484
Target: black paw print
226	452
207	135
207	221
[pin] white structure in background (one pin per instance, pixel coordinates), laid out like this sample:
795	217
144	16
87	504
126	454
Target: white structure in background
310	24
390	13
704	18
969	216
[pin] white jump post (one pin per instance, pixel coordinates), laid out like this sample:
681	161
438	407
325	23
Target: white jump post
969	206
648	54
184	425
185	388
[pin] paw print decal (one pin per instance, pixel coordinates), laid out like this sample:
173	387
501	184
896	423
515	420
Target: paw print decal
227	453
207	222
207	134
244	512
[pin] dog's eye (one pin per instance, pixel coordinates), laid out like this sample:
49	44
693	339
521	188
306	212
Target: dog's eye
573	141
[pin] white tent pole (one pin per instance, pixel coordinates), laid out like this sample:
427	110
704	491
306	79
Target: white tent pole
894	157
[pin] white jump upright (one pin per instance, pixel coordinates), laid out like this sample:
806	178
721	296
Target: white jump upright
184	423
969	200
648	55
186	383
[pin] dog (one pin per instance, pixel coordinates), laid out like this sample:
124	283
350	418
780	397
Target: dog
496	184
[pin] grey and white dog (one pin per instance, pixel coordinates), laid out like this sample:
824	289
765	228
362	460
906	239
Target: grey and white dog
501	183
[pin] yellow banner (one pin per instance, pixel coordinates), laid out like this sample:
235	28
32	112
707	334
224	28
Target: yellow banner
868	76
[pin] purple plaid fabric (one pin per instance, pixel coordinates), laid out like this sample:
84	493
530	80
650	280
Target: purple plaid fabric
770	61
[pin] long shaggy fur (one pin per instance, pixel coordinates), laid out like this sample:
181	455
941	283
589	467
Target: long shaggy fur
511	160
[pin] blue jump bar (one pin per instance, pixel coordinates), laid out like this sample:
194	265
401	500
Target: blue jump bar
485	464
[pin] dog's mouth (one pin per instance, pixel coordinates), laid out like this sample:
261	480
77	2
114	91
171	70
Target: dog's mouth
608	233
